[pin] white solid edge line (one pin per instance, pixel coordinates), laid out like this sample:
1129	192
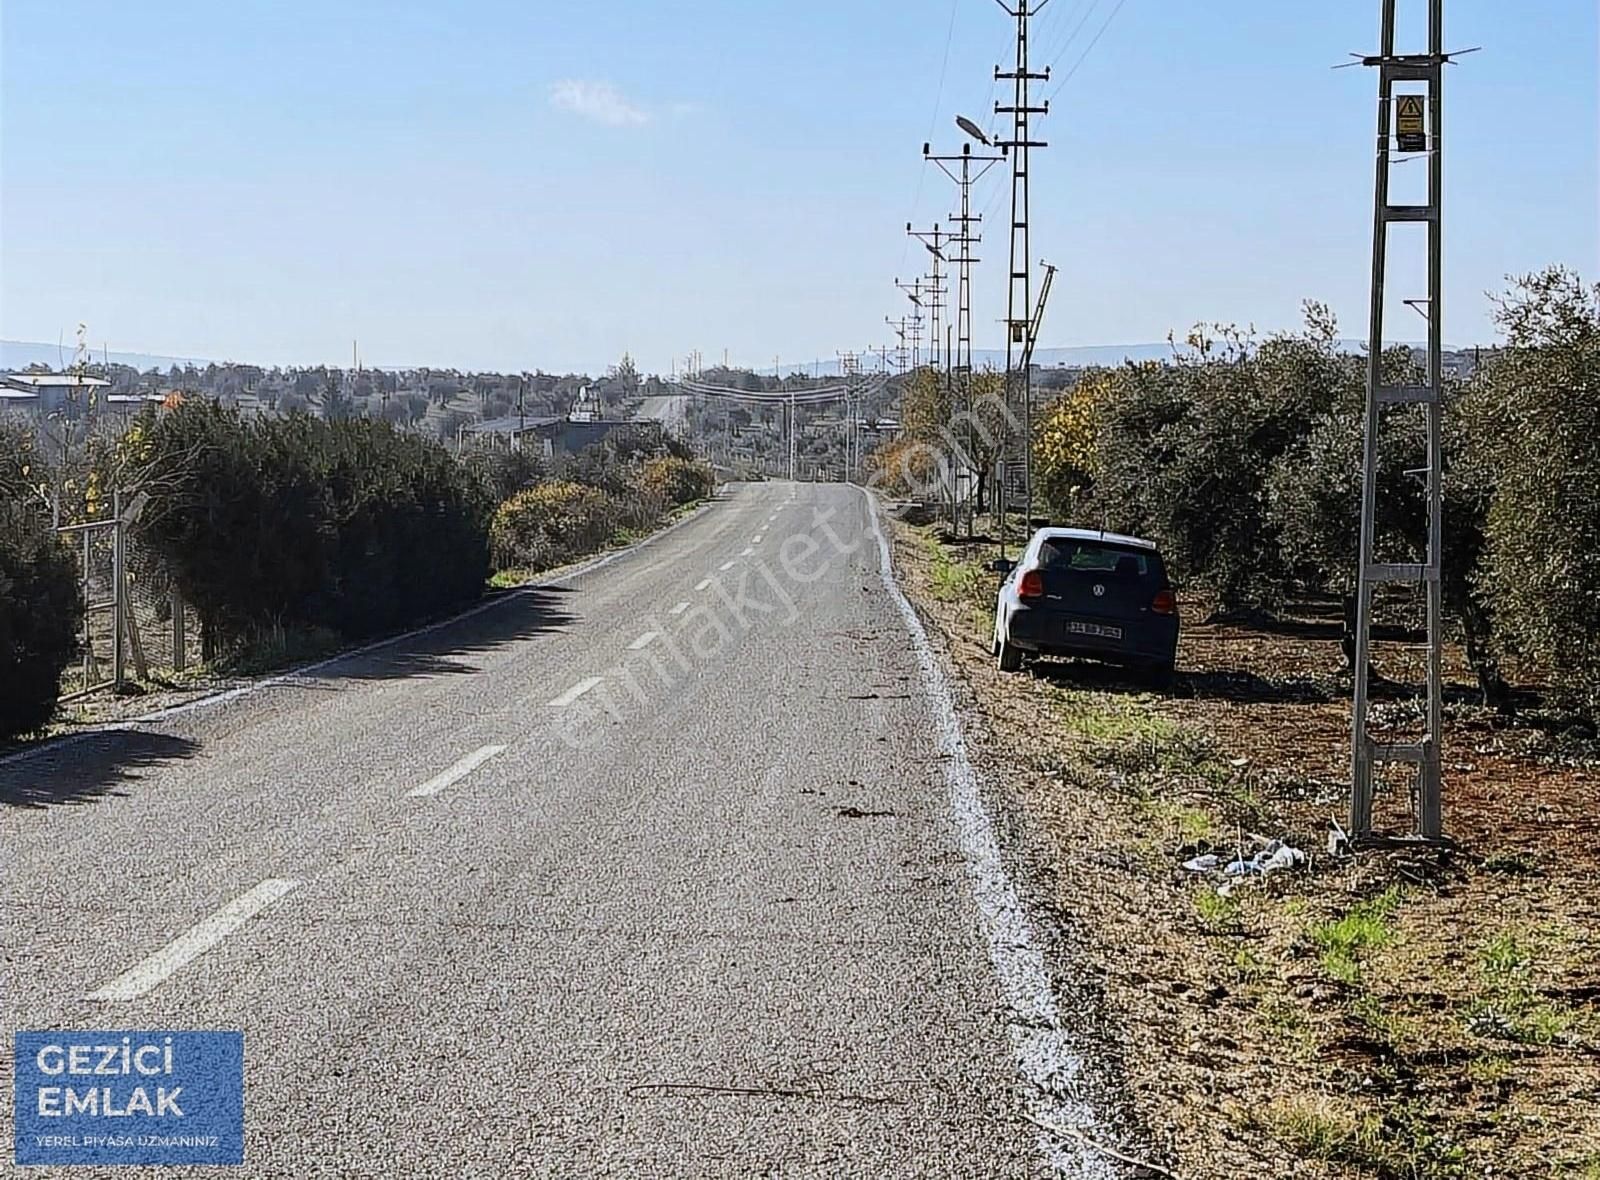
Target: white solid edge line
457	771
644	641
679	609
573	693
293	674
193	942
1047	1060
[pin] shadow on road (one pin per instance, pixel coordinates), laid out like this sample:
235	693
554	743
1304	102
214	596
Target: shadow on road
87	768
520	614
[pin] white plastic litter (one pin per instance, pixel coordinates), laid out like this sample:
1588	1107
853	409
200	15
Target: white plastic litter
1274	857
1203	864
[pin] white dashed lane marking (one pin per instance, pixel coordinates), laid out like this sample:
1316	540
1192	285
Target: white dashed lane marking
644	640
193	942
679	609
458	771
727	565
573	693
704	584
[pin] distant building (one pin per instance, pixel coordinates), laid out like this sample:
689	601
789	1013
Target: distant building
53	392
129	404
553	436
586	408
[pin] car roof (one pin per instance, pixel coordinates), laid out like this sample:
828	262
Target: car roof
1094	535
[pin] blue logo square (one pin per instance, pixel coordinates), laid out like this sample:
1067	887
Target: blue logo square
123	1097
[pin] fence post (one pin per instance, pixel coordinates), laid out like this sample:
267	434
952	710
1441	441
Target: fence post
91	666
117	595
180	657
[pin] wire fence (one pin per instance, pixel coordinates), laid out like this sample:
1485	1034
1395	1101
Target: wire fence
164	629
133	624
95	544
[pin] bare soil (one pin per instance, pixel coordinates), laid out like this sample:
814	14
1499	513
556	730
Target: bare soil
1411	1014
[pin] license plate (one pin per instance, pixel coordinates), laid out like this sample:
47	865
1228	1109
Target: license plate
1076	628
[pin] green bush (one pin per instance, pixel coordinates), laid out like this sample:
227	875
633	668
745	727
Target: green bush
268	524
40	603
550	524
504	473
409	530
675	481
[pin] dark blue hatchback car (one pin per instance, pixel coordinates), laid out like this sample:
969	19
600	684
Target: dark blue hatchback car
1082	592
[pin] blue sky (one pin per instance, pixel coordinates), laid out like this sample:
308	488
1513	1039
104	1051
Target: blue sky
515	185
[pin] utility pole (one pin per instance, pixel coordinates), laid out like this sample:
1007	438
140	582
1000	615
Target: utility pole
850	370
1019	393
913	292
1409	123
960	359
934	239
900	330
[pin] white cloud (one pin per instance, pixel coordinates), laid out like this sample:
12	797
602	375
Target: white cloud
600	102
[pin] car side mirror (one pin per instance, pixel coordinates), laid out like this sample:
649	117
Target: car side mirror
1001	565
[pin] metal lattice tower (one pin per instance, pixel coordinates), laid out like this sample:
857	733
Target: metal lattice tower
914	292
962	242
1019	302
933	283
1403	130
899	352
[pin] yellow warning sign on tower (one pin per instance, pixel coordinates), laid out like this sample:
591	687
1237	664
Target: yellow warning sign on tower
1410	123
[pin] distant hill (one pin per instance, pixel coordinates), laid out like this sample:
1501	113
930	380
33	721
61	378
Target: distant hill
19	354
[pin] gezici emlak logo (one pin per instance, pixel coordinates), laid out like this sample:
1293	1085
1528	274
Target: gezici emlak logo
129	1098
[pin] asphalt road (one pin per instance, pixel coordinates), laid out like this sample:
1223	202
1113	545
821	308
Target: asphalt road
589	882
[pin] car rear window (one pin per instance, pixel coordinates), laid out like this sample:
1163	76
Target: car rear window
1097	557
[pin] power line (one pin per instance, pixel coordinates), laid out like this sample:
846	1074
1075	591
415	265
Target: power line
933	120
1087	11
1067	77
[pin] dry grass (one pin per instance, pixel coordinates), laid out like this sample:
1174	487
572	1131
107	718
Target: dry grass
1400	1016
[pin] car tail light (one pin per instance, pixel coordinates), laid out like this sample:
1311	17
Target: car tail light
1031	585
1165	602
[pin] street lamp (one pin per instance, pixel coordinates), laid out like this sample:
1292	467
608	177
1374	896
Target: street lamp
973	130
